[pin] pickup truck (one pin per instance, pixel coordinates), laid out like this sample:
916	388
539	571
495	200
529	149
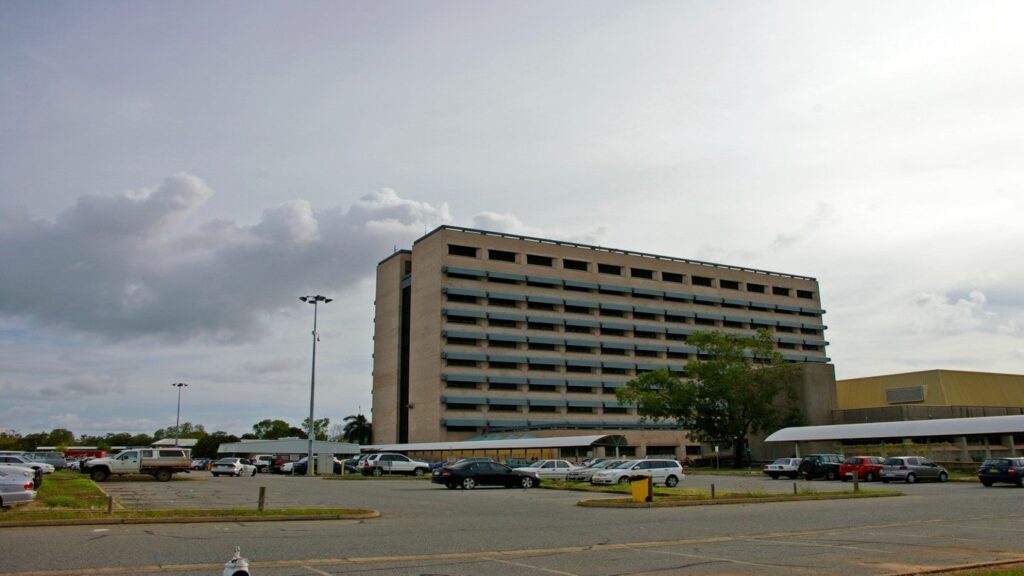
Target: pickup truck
161	463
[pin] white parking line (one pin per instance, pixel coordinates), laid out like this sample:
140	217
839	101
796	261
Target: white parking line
522	565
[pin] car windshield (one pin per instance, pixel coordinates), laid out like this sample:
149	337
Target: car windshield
535	464
893	462
627	464
781	461
226	461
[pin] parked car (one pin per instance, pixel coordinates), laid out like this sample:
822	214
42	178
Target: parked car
591	461
35	475
288	467
55	459
585	474
667	472
233	467
17	460
388	463
783	467
868	468
469	475
262	462
549	469
820	466
281	460
199	464
910	469
299	468
1003	470
16	486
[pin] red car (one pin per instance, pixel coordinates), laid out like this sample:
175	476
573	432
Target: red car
868	468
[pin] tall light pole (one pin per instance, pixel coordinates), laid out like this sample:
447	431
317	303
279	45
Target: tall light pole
177	420
315	301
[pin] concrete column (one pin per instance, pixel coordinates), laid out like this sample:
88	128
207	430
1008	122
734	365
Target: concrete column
988	449
641	451
965	454
796	450
1008	442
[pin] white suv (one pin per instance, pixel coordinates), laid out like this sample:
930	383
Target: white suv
667	472
387	463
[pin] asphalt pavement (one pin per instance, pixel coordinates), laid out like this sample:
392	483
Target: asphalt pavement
426	529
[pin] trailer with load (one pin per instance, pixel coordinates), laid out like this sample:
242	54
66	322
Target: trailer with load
160	463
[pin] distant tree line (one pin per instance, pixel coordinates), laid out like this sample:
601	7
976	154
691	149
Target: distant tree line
356	429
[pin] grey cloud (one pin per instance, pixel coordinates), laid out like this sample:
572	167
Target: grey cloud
117	266
511	224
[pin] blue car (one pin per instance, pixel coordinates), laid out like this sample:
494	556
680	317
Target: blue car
1004	470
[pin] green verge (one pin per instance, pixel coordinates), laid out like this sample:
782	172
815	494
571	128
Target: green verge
692	496
71	496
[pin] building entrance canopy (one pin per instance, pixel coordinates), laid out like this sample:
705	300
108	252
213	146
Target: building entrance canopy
503	444
983	426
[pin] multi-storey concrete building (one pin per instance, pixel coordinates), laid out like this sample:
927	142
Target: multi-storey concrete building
480	332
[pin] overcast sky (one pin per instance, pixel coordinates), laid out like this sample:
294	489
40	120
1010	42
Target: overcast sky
174	175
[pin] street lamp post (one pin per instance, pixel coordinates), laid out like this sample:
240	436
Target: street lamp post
177	420
315	301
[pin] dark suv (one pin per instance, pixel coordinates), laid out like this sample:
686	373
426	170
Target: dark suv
1008	470
820	466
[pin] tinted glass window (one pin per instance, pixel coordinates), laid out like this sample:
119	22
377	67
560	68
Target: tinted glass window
893	462
548	465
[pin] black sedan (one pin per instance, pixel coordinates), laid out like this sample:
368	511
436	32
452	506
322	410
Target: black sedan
1007	470
469	475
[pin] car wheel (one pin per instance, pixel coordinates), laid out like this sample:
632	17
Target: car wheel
774	476
163	475
794	476
885	480
986	483
468	483
911	478
869	477
527	482
378	472
253	472
624	480
830	475
943	476
1020	482
845	478
420	471
671	481
99	475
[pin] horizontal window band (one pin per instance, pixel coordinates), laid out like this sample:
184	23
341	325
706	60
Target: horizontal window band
507	379
504	296
463	400
506	276
506	401
463	313
464	271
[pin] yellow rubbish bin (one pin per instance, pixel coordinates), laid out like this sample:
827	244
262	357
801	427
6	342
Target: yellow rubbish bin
642	487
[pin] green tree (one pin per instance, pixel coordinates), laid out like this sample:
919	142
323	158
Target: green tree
207	446
30	442
187	429
320	426
738	386
9	440
357	429
268	429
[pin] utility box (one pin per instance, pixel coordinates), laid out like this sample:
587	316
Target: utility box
642	487
324	464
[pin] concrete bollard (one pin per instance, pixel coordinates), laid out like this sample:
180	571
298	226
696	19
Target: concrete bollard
856	482
263	499
712	491
110	504
794	489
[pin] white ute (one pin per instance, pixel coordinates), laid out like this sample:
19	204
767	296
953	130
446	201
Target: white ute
160	463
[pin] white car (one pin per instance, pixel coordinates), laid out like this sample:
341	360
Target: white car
788	467
667	472
586	473
16	460
233	467
550	469
16	486
388	463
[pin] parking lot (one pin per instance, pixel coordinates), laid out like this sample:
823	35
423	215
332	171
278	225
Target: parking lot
426	529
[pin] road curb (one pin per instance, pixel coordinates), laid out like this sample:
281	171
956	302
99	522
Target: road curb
367	515
626	503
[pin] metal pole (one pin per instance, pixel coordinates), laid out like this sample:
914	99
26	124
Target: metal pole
177	420
312	387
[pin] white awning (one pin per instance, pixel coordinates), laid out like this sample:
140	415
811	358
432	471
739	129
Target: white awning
987	425
287	446
501	444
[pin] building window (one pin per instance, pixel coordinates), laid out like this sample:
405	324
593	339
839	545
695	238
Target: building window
451	406
539	306
787	346
575	264
457	250
609	269
540	260
613	351
462	298
676	319
704	322
780	291
678	355
731	305
502	408
462	385
786	312
731	324
457	341
805	294
502	386
643	296
580	410
500	344
647	353
577	329
540	346
542	367
645	334
641	273
784	329
543	409
616	410
540	326
570	309
758	288
452	428
676	337
579	349
497	280
610	370
461	320
579	369
644	316
540	285
452	274
502	365
610	312
502	302
703	281
580	389
808	331
498	323
729	284
612	332
542	388
501	255
672	277
812	347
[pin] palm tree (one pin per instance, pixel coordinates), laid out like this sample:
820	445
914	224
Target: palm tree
357	429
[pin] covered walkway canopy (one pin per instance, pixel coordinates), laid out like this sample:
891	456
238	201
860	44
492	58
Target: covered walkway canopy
287	446
503	444
982	426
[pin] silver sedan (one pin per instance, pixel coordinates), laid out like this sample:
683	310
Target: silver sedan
16	486
233	467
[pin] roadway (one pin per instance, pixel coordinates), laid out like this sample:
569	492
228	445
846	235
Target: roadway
428	530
